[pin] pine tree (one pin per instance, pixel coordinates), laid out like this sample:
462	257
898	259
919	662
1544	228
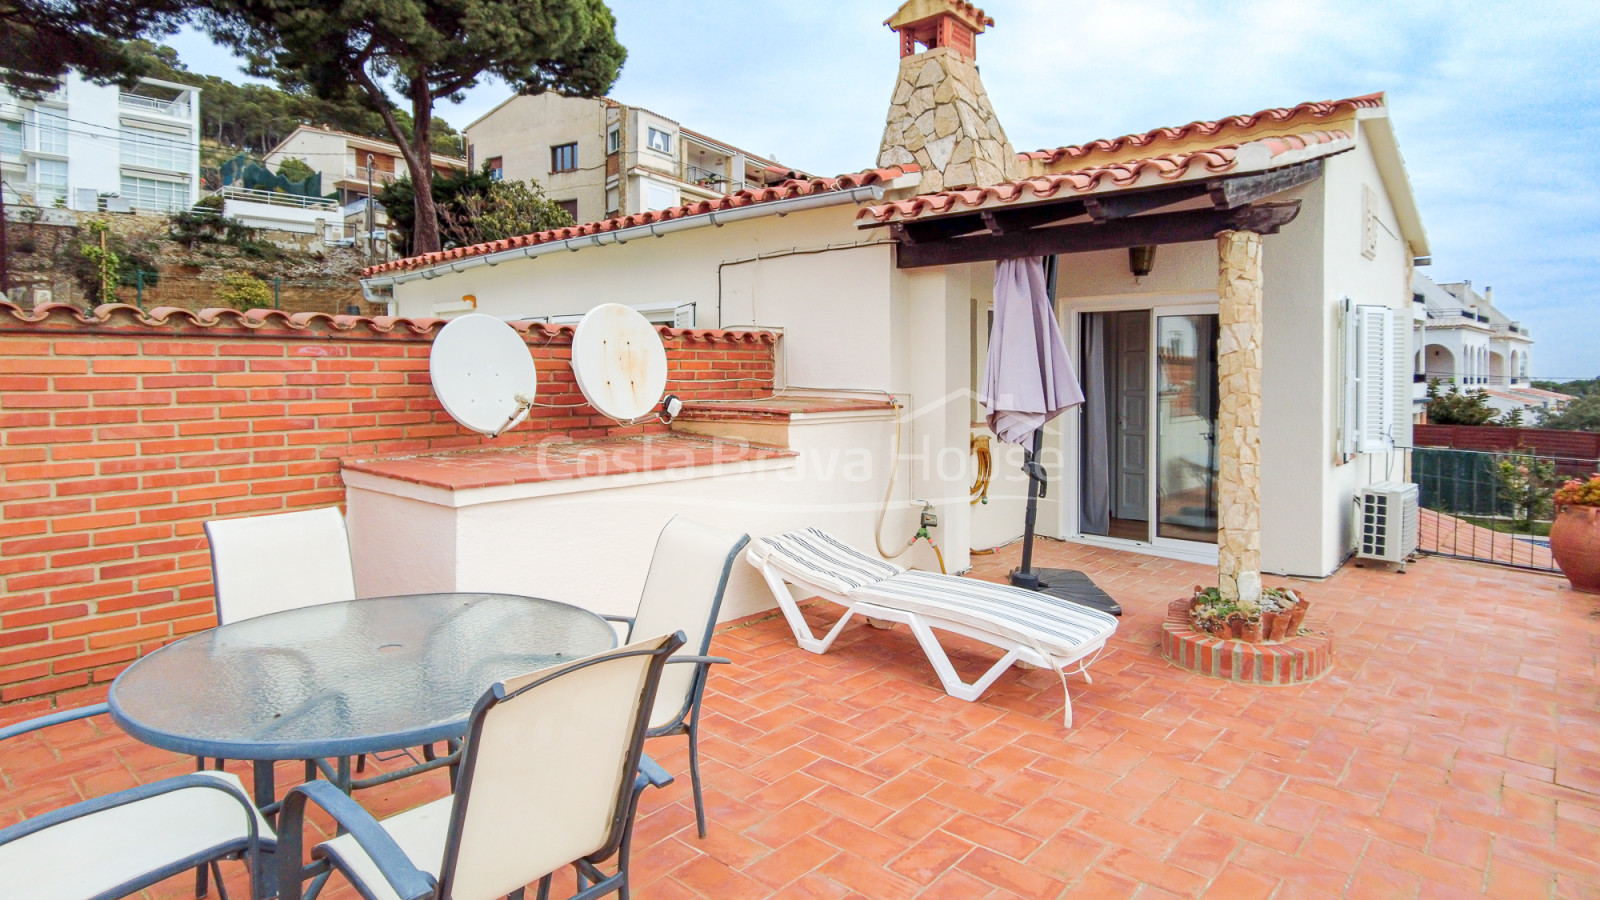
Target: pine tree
40	40
424	51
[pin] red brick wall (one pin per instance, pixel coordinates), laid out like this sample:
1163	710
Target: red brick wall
1574	445
121	434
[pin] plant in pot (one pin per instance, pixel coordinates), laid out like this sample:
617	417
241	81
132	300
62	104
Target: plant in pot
1575	534
1276	617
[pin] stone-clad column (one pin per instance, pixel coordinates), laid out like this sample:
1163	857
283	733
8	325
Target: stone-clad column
1239	416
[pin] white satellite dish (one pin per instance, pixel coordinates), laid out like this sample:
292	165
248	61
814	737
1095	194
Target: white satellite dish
482	373
619	362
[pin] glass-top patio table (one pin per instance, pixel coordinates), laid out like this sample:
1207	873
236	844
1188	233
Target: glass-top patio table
343	679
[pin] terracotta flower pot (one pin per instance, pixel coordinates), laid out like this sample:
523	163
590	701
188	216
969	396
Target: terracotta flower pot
1575	544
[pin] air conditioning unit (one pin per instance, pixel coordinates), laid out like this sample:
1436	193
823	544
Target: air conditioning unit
1388	522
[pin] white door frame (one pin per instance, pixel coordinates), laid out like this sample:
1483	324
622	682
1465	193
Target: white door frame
1069	314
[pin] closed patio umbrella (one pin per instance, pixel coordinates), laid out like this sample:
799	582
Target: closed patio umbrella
1029	380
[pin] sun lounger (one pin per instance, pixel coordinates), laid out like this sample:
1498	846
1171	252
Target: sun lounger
1030	627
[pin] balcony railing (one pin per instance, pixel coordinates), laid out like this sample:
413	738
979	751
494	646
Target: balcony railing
177	108
274	198
359	173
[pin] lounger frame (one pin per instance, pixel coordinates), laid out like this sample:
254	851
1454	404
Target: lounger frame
922	624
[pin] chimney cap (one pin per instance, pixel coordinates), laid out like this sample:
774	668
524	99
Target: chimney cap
913	11
938	23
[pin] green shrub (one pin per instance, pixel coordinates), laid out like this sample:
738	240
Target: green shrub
242	291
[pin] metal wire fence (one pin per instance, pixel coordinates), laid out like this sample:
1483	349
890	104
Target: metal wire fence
1490	507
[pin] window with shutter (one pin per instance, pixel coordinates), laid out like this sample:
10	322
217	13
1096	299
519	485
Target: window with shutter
1374	403
683	316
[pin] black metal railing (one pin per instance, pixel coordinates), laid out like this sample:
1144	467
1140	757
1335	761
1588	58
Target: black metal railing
1492	507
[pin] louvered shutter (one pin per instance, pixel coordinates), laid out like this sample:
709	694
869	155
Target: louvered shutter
683	316
1401	366
1374	390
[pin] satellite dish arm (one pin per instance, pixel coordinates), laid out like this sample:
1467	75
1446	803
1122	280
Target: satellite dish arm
524	406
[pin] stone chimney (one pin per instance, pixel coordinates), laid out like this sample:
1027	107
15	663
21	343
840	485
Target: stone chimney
940	117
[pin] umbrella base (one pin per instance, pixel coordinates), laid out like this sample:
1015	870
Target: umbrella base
1066	584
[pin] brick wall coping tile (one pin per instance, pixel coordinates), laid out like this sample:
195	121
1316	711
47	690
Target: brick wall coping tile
120	318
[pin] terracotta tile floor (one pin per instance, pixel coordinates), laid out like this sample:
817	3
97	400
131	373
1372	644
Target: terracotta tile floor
1452	752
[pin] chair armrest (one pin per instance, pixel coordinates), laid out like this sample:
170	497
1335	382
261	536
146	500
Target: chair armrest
703	660
406	880
71	715
133	795
626	620
651	773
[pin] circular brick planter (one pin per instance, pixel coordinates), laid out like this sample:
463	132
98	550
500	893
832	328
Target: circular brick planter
1297	660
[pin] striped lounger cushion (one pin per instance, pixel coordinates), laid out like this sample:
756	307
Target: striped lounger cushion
1066	628
817	557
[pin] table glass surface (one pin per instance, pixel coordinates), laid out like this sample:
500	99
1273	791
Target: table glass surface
345	678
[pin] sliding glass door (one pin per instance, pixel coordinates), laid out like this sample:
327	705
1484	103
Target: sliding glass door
1186	428
1148	449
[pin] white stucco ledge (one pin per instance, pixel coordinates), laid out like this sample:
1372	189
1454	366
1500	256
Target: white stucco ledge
470	477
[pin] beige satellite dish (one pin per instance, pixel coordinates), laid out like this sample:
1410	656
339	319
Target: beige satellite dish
619	362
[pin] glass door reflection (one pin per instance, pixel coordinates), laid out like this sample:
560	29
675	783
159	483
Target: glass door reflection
1186	428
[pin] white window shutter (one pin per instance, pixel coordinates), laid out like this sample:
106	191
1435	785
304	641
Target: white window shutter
1347	346
1374	379
1401	367
683	316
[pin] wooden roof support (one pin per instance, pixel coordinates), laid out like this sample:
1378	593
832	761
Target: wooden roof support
1232	193
1162	228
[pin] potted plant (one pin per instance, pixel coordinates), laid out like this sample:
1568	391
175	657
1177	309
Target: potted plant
1575	534
1276	617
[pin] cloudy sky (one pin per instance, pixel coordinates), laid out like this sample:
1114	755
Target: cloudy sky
1497	104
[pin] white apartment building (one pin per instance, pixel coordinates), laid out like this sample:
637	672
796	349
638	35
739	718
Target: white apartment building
600	158
138	149
1466	341
348	163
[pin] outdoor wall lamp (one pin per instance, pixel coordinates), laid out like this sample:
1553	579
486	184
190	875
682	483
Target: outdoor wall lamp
1141	260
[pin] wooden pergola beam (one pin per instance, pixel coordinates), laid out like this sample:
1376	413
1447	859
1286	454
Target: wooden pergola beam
1163	228
1232	193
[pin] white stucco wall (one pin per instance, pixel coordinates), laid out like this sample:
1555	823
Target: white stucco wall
589	541
1383	280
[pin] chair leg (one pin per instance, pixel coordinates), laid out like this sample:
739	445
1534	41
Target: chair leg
222	889
694	779
200	871
361	763
311	770
516	894
544	889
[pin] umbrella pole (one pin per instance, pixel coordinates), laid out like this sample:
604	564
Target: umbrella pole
1024	576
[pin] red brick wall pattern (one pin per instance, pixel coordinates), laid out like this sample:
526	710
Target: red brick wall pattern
121	433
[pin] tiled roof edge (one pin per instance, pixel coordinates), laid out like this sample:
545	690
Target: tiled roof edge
1318	109
1169	166
119	318
796	187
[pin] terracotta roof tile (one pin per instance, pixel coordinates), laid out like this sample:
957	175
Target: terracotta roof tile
1152	139
1169	166
794	187
277	323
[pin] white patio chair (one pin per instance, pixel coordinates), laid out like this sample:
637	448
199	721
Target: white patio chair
683	590
1030	627
271	563
122	843
550	776
267	564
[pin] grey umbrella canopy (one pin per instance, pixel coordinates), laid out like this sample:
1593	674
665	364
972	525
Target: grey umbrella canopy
1028	381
